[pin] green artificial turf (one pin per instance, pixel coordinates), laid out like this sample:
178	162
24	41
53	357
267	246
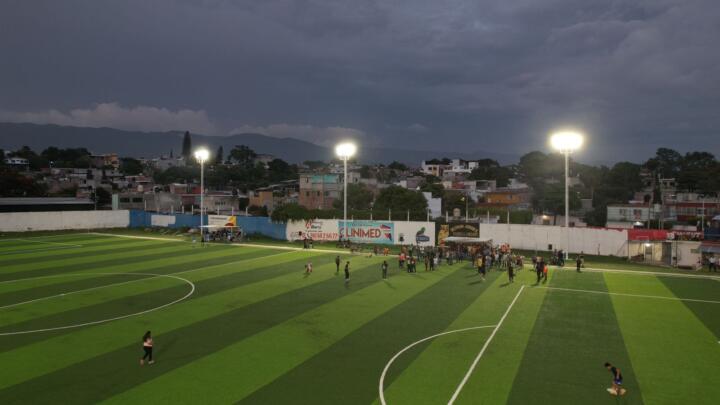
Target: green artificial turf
257	330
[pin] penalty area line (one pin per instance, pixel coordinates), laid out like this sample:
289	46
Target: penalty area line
482	351
381	385
658	297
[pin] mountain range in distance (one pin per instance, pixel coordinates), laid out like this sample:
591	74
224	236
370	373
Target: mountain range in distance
139	144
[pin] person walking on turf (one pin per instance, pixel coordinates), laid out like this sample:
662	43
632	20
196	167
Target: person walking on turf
308	268
147	348
384	268
347	272
578	264
617	381
511	271
539	268
337	264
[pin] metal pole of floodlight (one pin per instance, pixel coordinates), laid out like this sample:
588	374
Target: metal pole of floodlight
566	143
345	151
202	155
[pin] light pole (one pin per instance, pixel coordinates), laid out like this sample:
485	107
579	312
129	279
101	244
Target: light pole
566	143
702	214
345	151
202	155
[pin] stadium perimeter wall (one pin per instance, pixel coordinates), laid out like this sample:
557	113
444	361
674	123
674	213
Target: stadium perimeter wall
606	242
63	220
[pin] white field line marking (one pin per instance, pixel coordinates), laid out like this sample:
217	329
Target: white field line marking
381	386
631	295
50	243
192	290
47	249
120	283
239	244
651	273
485	346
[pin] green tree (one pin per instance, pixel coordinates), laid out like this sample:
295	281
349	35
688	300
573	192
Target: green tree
243	155
666	163
14	184
395	165
436	189
279	170
489	169
400	200
290	212
36	162
219	155
698	172
359	198
130	166
187	147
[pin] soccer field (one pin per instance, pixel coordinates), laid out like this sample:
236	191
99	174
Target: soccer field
245	324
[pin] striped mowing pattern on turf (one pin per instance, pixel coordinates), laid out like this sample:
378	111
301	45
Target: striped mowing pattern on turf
258	330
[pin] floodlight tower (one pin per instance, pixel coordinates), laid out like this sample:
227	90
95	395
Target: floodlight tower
567	142
202	155
345	151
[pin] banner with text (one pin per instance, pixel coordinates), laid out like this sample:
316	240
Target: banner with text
315	229
380	232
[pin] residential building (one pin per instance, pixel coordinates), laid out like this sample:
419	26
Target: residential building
630	215
434	205
434	167
18	163
262	198
319	191
105	160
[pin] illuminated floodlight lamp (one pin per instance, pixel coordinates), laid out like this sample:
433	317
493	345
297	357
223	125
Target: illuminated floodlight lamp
202	155
345	150
566	141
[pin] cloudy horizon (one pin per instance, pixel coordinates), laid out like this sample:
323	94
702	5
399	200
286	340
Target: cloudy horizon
449	75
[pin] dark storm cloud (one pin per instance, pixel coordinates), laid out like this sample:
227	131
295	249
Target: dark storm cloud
447	75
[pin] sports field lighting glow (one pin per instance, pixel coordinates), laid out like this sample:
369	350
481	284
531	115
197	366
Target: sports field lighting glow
202	156
345	151
567	142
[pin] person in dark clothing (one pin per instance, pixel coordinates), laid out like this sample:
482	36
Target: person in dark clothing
539	268
347	272
384	268
337	264
617	380
578	264
511	271
147	341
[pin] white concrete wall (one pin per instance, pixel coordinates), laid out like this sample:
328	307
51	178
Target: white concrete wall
538	237
60	220
688	254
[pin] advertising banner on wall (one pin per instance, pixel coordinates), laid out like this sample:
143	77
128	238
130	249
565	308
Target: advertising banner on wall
464	229
415	233
162	220
315	229
380	232
219	221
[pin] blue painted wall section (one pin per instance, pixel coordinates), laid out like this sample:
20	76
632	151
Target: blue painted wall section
250	225
263	226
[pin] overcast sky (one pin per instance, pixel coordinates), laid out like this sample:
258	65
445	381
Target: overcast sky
451	75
